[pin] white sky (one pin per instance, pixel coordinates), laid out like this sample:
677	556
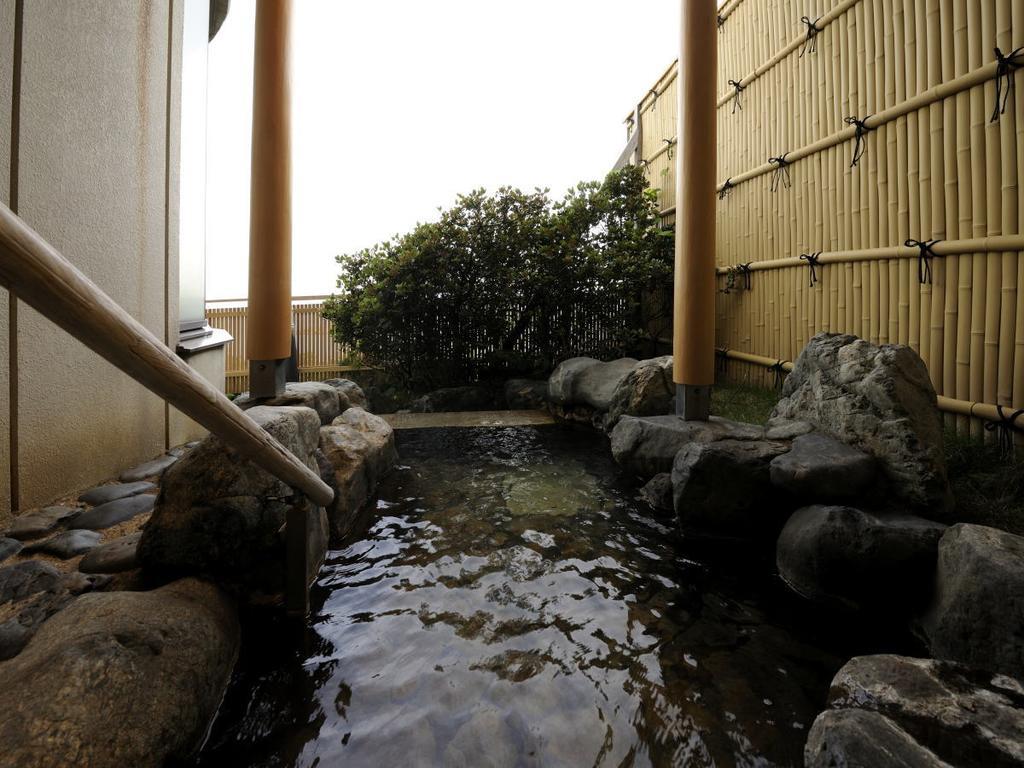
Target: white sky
399	105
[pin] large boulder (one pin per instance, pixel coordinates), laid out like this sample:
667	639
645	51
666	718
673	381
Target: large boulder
594	385
723	488
221	517
856	738
647	446
323	398
356	450
562	381
821	468
848	556
120	678
877	399
646	390
977	615
963	716
526	394
455	399
350	393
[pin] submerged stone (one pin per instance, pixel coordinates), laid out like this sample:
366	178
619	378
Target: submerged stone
106	493
114	512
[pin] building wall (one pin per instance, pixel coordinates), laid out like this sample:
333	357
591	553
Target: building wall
97	145
6	93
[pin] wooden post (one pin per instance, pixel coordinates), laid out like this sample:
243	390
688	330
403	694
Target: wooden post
693	339
270	225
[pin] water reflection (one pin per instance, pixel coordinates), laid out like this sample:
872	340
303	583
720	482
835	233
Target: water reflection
512	604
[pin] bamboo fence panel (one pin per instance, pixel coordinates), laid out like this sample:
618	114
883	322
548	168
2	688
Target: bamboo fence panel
939	160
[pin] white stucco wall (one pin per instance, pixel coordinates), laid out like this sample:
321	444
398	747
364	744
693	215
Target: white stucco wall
93	180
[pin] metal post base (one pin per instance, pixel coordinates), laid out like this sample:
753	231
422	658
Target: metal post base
297	565
267	377
693	403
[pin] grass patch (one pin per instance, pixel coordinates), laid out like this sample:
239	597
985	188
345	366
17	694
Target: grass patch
742	402
988	488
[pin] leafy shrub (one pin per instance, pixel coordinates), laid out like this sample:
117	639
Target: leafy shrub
508	284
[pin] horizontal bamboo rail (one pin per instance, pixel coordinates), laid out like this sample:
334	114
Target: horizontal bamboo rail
985	411
821	22
871	122
994	244
41	277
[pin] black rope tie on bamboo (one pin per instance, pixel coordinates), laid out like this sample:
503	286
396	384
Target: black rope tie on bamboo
781	173
860	138
811	43
924	258
1006	426
779	369
724	191
739	88
1007	65
813	261
721	22
744	270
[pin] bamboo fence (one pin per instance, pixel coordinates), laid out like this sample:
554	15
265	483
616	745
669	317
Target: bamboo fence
844	140
319	356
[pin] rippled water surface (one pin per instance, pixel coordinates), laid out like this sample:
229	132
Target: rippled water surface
513	603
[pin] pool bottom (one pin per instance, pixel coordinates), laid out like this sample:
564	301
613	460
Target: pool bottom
512	602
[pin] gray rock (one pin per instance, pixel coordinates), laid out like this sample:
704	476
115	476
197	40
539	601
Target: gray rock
855	738
120	678
526	394
106	493
647	390
723	488
647	446
454	400
113	557
595	385
877	399
9	547
320	396
858	558
114	512
357	450
351	391
786	429
561	382
14	636
181	450
658	492
965	717
153	468
977	614
24	579
222	518
68	544
40	522
821	468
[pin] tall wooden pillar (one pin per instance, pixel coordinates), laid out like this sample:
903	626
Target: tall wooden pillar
693	337
268	345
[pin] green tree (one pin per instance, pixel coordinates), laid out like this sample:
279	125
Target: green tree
508	284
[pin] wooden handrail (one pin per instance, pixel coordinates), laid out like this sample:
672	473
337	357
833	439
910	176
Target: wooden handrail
37	274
